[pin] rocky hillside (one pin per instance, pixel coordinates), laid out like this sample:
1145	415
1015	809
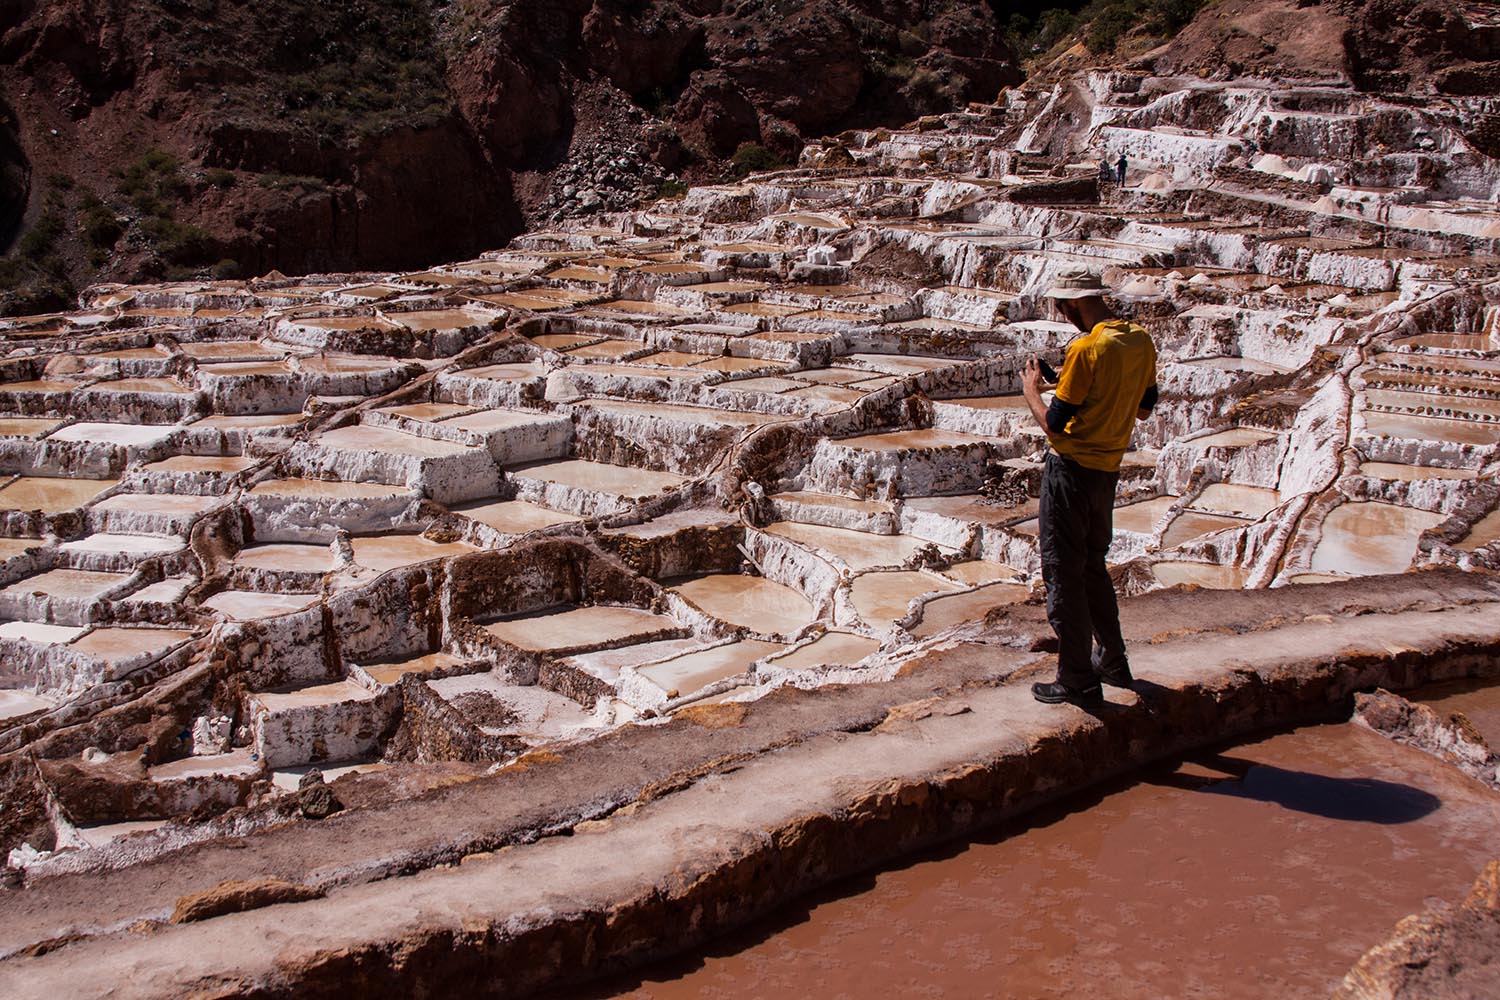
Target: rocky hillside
183	137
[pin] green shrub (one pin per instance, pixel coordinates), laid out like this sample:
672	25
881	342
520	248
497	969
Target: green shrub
226	269
1109	26
100	226
219	178
753	158
178	243
671	188
288	182
153	183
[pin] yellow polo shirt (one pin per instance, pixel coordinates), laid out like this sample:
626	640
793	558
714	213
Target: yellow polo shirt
1106	373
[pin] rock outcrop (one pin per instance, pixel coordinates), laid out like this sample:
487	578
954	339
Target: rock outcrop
1445	953
173	138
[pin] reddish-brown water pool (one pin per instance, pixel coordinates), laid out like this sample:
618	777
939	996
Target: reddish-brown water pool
1264	871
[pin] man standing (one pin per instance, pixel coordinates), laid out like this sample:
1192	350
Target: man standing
1120	166
1107	383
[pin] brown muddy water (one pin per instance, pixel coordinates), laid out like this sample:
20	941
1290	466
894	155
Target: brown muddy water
1265	870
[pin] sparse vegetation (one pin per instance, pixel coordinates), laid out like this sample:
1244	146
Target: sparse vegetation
671	188
100	228
341	69
290	182
1103	23
219	178
753	158
34	275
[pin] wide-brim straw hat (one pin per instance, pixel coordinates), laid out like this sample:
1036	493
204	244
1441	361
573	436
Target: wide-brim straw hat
1076	283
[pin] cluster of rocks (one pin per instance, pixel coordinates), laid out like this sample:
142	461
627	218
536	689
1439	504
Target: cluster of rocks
600	176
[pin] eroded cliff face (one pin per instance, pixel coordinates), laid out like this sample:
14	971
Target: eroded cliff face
175	137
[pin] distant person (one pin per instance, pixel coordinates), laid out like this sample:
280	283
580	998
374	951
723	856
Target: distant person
1107	383
1106	173
1120	166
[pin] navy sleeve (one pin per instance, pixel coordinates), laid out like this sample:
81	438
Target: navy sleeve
1148	401
1059	413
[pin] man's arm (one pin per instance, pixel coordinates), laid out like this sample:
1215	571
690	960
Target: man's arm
1051	419
1148	403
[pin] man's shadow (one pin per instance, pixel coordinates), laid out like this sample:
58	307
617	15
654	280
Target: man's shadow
1354	800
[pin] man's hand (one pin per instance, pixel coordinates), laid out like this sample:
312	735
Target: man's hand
1031	389
1031	379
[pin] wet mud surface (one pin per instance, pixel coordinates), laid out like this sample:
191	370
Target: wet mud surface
1262	871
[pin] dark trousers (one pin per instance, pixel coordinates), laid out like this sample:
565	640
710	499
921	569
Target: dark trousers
1075	525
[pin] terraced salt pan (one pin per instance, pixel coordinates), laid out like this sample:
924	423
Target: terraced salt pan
882	598
440	319
246	605
223	351
977	571
1251	502
390	673
154	513
618	480
1462	407
104	543
314	696
363	437
902	364
51	496
144	386
394	551
581	628
1484	531
606	664
1191	524
540	715
326	489
943	613
71	583
1447	342
12	547
1412	473
612	350
1366	538
1234	437
1142	517
702	416
26	427
516	517
40	633
1440	429
248	422
15	704
831	649
169	591
1211	576
122	435
1234	364
751	602
858	550
129	645
682	675
287	557
210	464
426	411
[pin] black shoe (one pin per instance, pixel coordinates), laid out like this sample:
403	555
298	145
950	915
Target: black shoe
1055	693
1116	672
